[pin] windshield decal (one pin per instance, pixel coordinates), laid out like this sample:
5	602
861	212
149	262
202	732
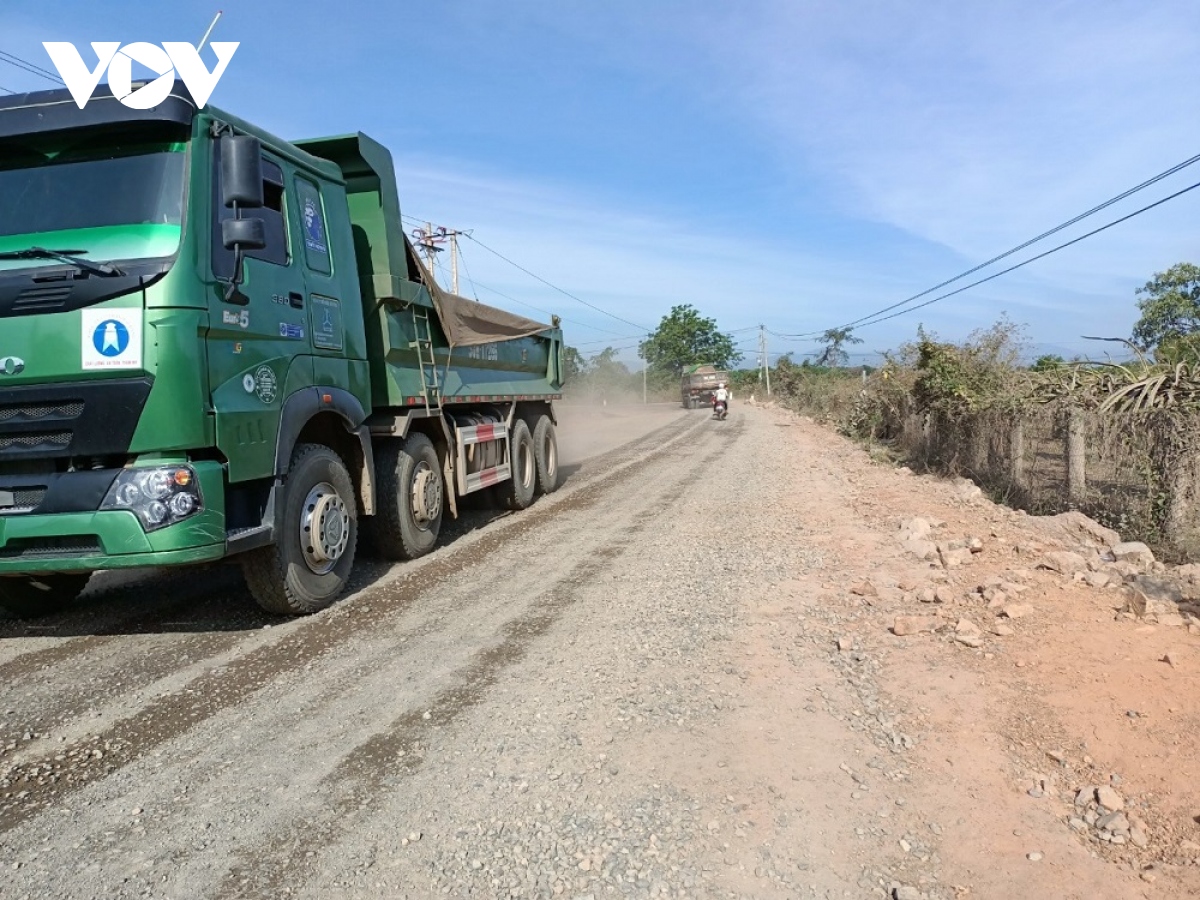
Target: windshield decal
111	339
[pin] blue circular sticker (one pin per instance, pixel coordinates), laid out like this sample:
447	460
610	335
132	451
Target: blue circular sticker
111	338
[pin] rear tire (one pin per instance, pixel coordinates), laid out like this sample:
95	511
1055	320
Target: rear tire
411	499
316	531
41	595
545	449
518	491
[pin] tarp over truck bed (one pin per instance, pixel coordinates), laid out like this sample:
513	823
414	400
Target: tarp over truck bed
467	322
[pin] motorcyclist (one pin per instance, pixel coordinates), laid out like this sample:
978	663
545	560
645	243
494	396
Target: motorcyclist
721	395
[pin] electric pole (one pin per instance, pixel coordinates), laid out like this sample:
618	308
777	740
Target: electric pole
645	365
430	240
764	360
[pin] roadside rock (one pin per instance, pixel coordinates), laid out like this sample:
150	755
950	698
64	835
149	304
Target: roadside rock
967	490
1097	579
943	593
968	633
1148	597
1134	552
1077	525
1016	610
1064	562
953	556
1109	799
906	625
921	549
915	530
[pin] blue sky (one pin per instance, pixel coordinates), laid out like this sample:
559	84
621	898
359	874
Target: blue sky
791	163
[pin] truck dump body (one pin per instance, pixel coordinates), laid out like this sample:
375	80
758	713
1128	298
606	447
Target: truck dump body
479	352
698	383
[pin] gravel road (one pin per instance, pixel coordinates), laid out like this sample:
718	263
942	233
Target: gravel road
634	688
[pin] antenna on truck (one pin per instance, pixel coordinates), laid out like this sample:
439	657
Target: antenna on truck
204	40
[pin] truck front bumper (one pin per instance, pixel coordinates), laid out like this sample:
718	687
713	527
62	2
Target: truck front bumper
114	539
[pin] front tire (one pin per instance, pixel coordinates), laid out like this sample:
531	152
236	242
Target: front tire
411	499
545	450
40	595
316	532
518	491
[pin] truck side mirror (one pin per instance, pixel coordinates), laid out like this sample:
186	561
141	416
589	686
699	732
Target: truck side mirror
243	234
241	188
241	172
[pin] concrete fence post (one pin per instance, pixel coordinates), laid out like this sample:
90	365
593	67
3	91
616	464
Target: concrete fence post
1076	455
1016	449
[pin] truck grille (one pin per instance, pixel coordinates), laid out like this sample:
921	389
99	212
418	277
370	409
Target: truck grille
67	409
24	499
50	440
56	421
49	547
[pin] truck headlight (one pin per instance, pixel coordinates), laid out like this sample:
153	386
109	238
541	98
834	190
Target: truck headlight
158	496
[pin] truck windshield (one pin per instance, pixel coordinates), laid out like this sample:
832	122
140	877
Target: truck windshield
114	201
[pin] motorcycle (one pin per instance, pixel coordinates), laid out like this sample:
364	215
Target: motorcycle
719	410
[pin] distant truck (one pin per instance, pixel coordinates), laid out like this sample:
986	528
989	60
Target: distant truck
215	342
699	383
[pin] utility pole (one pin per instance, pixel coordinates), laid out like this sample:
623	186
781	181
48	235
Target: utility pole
645	366
763	358
430	240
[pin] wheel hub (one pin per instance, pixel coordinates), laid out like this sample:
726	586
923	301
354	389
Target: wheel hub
426	495
324	528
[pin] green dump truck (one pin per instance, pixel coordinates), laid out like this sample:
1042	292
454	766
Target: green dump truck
217	342
698	383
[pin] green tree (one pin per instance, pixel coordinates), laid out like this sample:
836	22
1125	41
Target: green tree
1170	305
573	364
604	366
1048	363
835	341
685	338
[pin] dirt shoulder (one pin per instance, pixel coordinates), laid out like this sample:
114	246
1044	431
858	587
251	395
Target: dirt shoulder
1035	688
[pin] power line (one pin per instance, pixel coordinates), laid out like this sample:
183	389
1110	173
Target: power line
9	90
1045	234
1034	258
556	287
34	69
514	299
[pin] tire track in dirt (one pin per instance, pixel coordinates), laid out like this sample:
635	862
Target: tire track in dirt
281	862
40	780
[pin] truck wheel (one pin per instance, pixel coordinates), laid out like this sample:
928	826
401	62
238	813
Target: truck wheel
41	595
545	452
315	535
517	492
411	498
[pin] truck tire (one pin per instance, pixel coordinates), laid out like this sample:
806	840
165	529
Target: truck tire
518	491
33	596
411	498
545	453
316	531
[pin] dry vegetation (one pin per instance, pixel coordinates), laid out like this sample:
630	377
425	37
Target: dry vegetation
1117	441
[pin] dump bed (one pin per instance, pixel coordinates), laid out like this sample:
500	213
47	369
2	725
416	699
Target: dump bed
698	383
416	332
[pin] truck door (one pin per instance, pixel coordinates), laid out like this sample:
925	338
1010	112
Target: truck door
257	344
324	301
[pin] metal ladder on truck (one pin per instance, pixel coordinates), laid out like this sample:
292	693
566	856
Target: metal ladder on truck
423	344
